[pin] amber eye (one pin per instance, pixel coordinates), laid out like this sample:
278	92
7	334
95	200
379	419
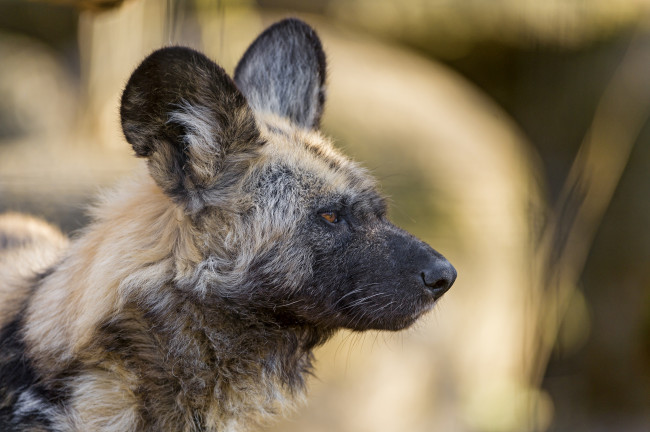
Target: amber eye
330	216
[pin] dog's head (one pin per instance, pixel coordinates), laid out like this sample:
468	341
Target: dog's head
287	226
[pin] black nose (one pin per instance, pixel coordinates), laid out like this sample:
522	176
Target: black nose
439	275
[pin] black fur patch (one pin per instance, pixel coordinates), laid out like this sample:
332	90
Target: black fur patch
17	377
19	381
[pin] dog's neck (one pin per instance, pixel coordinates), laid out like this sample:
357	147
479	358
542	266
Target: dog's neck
213	364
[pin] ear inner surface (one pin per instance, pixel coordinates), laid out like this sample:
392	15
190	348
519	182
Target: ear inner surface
186	116
283	72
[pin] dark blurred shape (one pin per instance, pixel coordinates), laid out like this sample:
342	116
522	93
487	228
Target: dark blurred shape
54	25
309	6
92	5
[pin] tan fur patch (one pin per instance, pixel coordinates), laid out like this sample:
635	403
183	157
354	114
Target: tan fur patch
118	254
101	402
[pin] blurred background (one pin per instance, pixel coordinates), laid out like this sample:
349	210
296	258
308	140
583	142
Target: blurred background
511	135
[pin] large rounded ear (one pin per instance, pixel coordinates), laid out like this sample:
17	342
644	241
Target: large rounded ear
186	116
283	72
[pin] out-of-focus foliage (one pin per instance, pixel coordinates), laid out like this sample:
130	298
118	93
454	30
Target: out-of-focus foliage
515	141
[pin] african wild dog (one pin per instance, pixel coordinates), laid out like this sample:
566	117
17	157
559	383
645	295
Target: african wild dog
195	298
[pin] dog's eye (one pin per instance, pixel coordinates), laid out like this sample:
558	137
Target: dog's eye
330	216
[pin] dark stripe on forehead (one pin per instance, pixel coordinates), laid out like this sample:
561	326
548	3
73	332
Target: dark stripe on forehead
318	151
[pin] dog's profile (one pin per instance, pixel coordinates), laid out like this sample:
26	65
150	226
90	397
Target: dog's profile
195	298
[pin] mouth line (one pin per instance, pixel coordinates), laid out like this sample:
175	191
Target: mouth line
425	308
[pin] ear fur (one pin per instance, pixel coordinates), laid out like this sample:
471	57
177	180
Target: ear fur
283	72
186	116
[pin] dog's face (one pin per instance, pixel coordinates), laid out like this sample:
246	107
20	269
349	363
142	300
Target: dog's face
288	227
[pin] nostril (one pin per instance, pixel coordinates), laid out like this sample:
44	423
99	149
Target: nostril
439	277
438	286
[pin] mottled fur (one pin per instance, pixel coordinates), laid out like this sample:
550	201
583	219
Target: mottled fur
195	298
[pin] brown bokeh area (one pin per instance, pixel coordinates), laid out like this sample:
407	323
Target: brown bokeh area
511	135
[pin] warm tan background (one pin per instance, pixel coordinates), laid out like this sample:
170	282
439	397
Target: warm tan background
512	135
